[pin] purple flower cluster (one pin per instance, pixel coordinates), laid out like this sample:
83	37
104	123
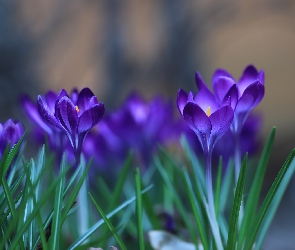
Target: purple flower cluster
138	124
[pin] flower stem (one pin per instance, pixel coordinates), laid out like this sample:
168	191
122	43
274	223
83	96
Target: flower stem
211	207
83	215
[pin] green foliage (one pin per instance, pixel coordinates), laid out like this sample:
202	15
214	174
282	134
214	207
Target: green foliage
38	202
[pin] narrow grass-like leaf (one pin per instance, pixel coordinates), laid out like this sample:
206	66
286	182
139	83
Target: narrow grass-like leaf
56	220
8	196
74	193
109	224
197	167
178	201
267	201
92	229
22	229
254	193
3	161
48	220
139	209
274	205
196	210
226	187
12	153
233	226
218	185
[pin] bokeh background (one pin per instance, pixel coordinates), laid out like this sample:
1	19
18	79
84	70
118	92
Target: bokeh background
115	46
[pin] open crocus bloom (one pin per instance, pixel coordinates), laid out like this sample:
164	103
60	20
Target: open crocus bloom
243	95
205	117
74	116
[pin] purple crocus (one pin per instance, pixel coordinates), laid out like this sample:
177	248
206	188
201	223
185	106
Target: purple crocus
144	124
57	139
205	117
244	95
75	116
10	132
209	121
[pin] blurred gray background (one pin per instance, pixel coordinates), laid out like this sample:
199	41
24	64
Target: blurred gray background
154	47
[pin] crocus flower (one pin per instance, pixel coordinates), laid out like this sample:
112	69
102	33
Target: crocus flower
205	117
10	132
244	95
75	116
209	121
57	139
143	125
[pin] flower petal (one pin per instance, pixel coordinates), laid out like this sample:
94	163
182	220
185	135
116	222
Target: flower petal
199	81
32	111
46	113
90	117
67	115
251	97
249	75
221	73
199	122
249	100
220	121
83	101
221	87
231	97
181	100
204	99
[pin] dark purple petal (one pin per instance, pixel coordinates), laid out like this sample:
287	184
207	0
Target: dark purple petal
67	115
181	100
32	111
83	101
220	121
90	118
50	98
74	96
249	100
204	99
249	75
231	97
45	112
221	87
251	97
199	122
199	81
221	73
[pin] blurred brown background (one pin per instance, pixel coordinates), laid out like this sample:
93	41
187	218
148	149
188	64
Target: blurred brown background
152	46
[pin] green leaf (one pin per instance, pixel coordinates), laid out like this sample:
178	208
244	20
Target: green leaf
196	210
74	193
23	227
218	186
177	199
267	201
92	229
253	197
56	220
233	226
109	224
12	153
274	205
139	209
